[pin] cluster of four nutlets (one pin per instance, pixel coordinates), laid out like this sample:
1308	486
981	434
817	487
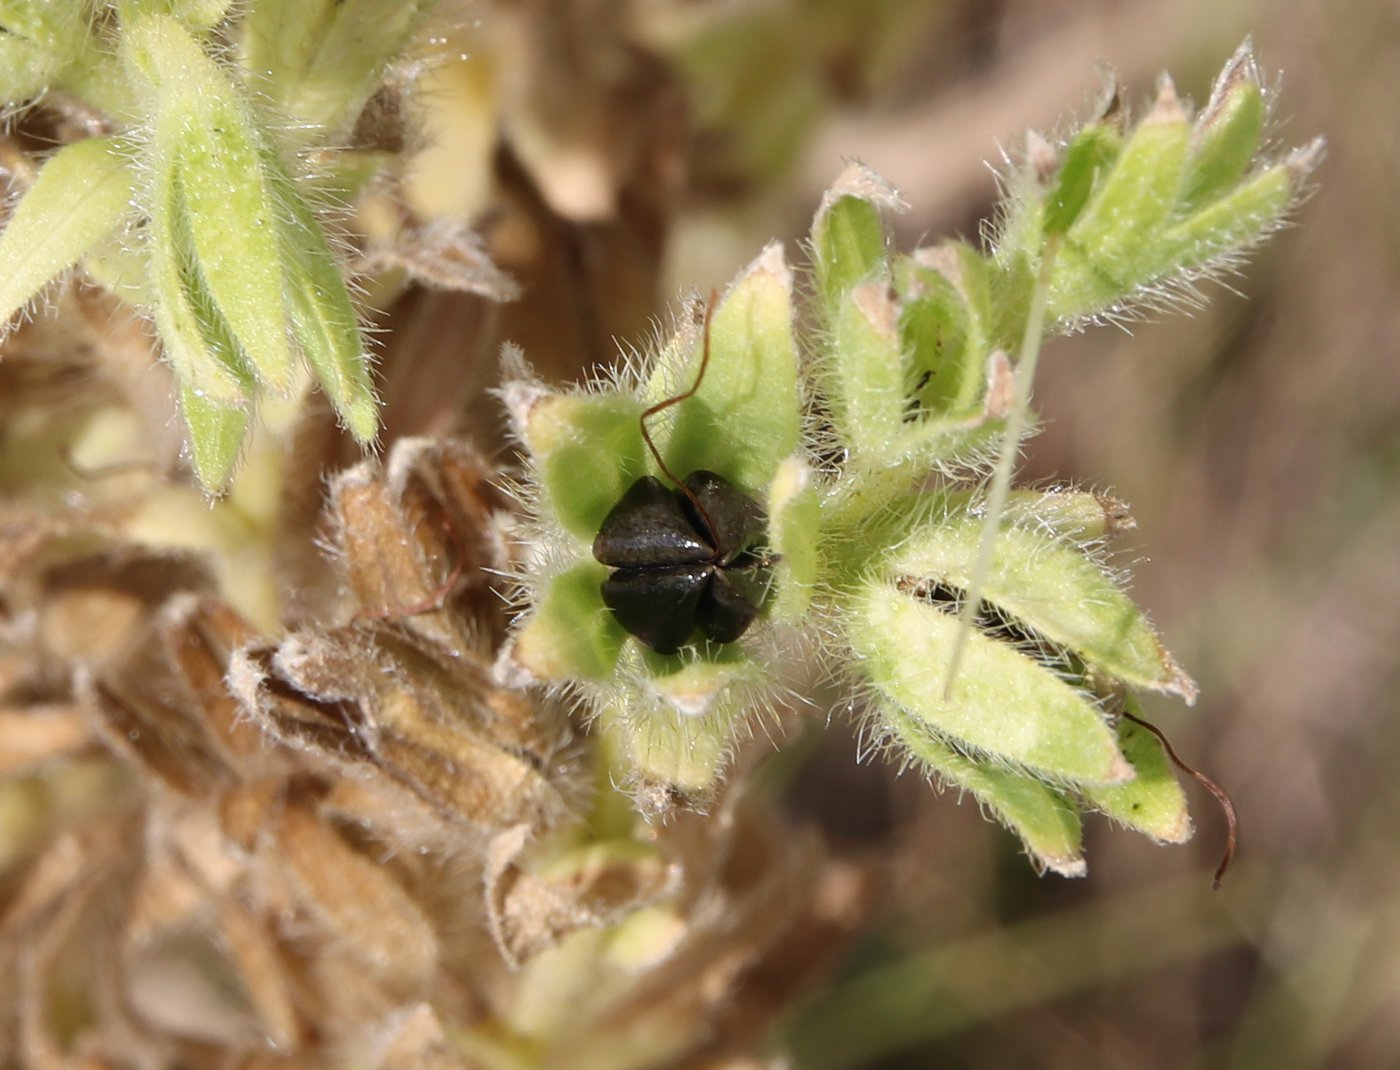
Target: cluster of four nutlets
684	559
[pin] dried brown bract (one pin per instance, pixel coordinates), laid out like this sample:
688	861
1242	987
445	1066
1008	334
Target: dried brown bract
400	695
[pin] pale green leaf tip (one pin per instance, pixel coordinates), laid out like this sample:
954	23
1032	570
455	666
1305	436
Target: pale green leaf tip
695	688
770	265
1303	161
859	181
216	436
1241	70
1065	865
361	416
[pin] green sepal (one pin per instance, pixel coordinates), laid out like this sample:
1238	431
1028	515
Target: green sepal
1046	822
320	60
1052	589
1238	218
1081	517
1088	155
706	677
991	302
956	387
26	68
673	717
569	434
1227	133
214	216
570	634
119	263
197	15
41	40
794	535
216	437
849	237
231	221
659	747
1153	802
744	418
1112	248
946	346
194	336
1004	706
80	197
322	315
866	375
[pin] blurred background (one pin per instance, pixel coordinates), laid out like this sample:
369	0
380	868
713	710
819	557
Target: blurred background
652	148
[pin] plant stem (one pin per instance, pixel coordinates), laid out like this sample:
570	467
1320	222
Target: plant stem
1006	461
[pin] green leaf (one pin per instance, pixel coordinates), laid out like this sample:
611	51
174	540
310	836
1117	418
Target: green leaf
1152	802
744	419
81	195
569	434
1005	706
1053	589
1046	822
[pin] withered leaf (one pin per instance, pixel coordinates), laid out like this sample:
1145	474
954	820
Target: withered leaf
532	908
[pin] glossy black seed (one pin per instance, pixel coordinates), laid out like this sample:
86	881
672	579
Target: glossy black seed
731	602
679	567
737	519
649	527
658	605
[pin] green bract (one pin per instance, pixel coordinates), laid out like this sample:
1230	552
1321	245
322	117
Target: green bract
869	454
